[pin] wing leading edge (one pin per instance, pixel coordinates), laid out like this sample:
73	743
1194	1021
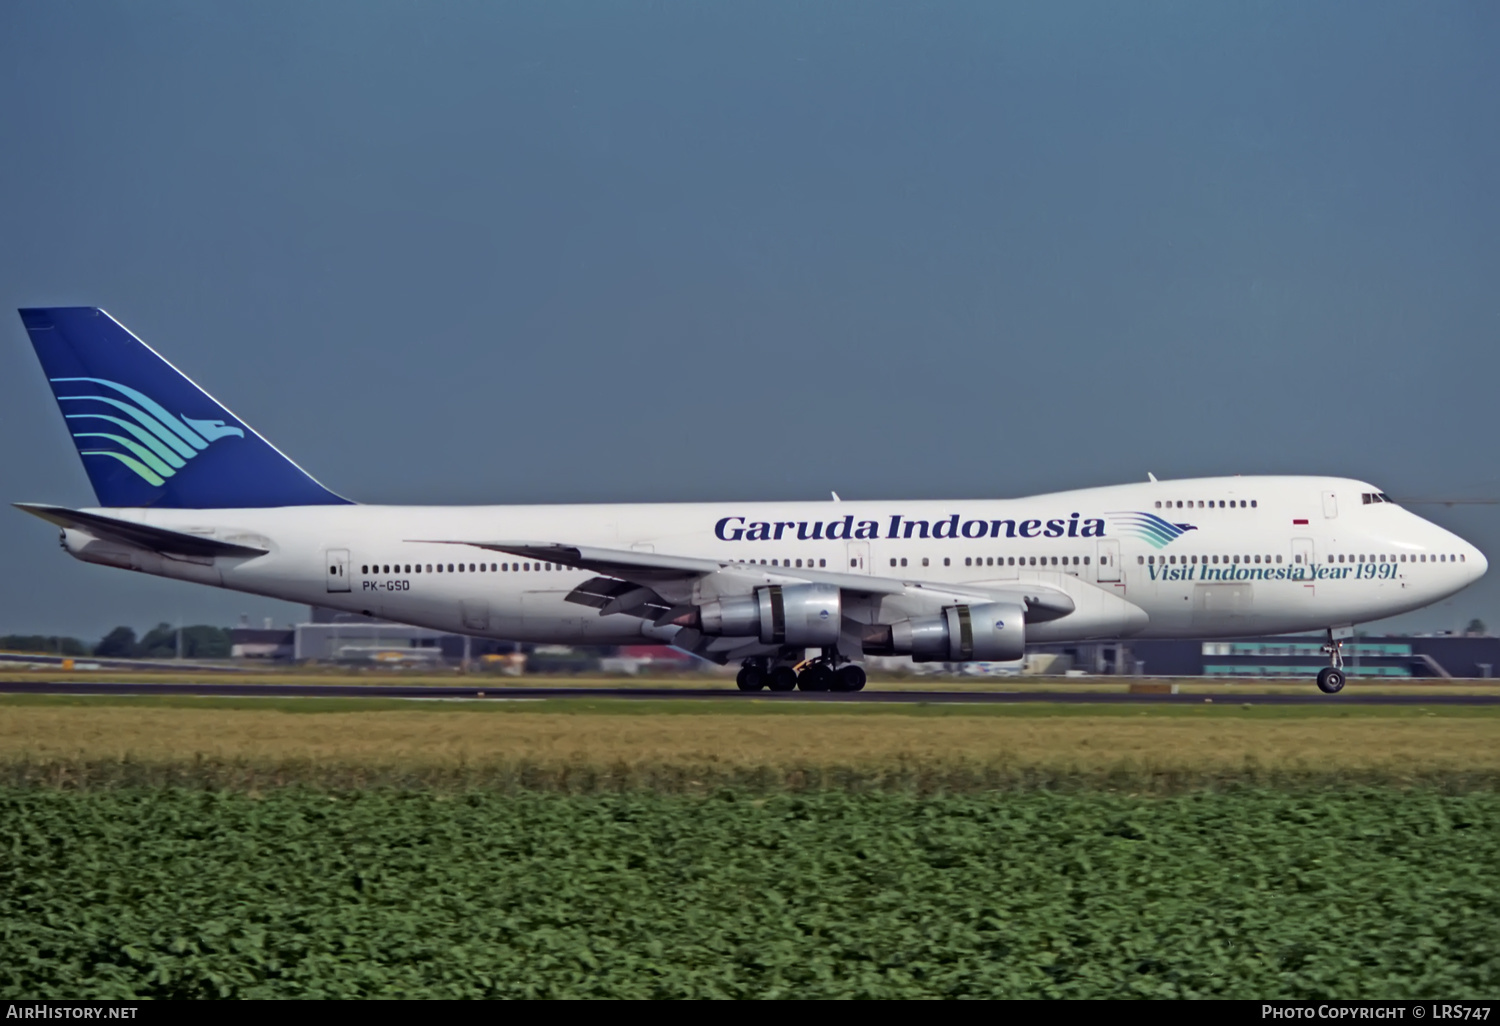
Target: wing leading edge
663	583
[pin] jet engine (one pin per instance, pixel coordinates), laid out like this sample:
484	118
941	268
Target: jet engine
800	615
995	631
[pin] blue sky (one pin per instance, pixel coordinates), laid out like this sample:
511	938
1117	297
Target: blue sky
480	252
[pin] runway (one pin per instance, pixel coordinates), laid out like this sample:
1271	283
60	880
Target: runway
238	689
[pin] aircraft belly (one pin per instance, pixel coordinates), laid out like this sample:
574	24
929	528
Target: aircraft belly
1222	608
546	616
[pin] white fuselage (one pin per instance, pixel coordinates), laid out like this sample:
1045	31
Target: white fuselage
1239	556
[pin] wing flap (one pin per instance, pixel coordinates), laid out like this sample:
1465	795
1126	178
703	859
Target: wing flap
612	595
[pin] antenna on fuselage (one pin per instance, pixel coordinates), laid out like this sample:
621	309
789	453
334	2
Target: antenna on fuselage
1151	477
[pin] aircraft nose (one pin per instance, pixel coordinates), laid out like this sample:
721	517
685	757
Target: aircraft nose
1477	563
1474	562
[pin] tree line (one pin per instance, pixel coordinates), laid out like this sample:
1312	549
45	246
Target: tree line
199	641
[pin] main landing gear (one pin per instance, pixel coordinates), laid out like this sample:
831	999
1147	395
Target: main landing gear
1331	679
757	674
820	674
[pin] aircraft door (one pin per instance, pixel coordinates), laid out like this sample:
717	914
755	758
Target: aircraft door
859	556
337	562
1302	551
1330	505
1109	560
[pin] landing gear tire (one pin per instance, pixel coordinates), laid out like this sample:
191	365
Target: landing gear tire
849	678
783	678
816	677
751	678
1331	679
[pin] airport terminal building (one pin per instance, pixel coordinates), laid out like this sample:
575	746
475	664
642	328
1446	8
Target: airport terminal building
1395	657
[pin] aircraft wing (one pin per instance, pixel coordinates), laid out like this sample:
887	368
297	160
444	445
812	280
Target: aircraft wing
648	567
660	582
143	536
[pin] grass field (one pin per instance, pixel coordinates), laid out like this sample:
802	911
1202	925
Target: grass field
623	741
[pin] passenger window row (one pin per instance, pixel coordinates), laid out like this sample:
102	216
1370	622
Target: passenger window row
457	568
1149	560
1006	561
536	567
1362	558
783	562
1210	504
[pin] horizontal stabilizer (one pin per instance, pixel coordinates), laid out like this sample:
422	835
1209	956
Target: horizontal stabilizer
144	536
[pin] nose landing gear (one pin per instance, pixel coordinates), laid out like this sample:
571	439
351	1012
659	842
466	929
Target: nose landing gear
1331	679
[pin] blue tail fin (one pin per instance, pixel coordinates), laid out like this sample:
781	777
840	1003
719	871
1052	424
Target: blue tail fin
148	436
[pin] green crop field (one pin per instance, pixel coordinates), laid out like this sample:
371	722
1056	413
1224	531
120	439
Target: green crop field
173	892
180	847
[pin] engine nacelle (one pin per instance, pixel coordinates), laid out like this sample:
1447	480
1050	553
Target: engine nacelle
801	615
993	632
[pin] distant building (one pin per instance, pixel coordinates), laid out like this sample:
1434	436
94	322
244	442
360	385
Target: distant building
334	636
253	643
1390	656
635	659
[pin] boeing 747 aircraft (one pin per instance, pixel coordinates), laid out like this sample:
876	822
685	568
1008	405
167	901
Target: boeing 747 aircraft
796	592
